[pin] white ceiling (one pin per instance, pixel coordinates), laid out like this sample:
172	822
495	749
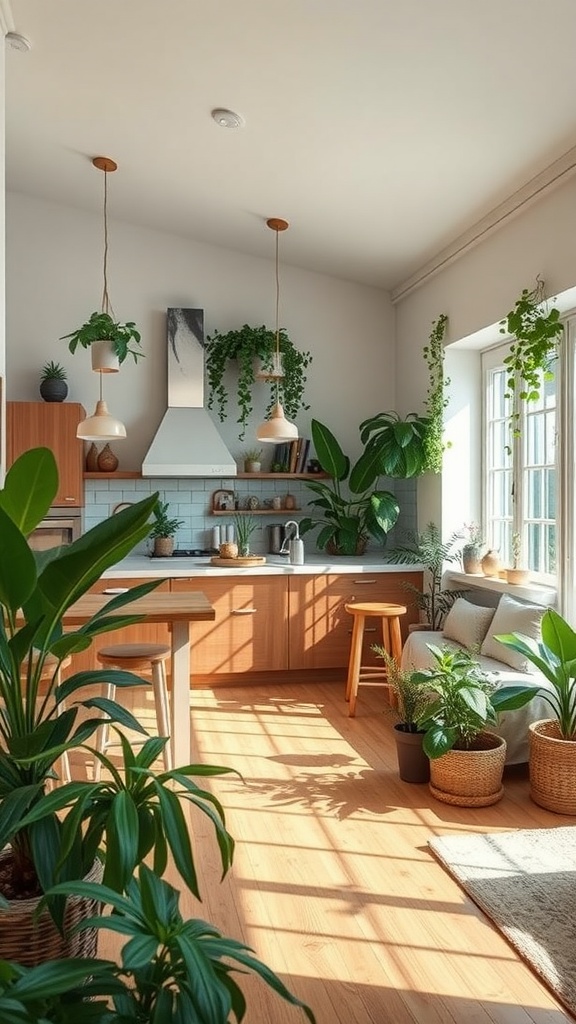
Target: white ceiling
381	130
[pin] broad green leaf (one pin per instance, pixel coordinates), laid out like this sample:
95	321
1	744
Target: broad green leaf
30	488
121	841
17	565
328	451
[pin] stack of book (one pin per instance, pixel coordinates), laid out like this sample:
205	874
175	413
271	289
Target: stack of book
292	455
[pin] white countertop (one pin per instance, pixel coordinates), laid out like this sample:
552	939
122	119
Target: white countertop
140	566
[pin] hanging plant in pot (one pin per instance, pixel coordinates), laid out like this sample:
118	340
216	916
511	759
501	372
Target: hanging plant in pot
109	341
350	508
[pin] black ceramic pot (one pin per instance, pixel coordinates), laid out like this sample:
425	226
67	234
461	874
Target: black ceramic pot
53	390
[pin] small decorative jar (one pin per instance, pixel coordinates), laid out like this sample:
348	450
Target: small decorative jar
92	459
229	550
107	461
290	501
491	563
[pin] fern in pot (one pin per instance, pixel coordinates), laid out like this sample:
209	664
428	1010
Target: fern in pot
409	697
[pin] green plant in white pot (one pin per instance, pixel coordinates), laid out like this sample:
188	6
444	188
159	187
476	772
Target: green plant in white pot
102	328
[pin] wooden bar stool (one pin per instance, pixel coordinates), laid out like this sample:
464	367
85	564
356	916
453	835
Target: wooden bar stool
150	658
389	614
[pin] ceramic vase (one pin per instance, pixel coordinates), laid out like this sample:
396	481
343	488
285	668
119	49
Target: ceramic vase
92	459
107	461
491	563
104	358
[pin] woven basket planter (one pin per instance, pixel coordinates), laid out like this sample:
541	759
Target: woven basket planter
30	942
470	778
552	768
163	547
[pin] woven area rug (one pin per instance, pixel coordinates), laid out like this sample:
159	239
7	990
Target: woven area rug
526	882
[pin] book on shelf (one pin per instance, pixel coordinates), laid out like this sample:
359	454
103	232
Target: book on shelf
303	456
294	453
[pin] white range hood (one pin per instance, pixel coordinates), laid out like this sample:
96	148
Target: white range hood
187	442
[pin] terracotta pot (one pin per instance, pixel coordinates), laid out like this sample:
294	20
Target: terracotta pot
92	459
413	763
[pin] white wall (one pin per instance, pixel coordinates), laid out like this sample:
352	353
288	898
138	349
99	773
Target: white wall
54	281
2	263
475	291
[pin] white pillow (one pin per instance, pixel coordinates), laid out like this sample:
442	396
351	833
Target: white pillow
468	624
513	617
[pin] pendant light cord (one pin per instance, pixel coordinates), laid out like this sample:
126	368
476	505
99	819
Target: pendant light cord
277	367
106	304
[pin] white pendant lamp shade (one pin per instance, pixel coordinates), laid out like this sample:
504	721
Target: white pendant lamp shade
277	428
101	426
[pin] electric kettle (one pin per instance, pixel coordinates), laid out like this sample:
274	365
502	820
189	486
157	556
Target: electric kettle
295	548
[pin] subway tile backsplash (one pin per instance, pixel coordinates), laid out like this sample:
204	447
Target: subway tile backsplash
191	501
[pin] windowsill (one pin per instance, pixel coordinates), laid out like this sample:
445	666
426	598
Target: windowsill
531	592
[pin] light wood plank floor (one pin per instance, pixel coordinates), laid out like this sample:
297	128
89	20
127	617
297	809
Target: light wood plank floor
333	884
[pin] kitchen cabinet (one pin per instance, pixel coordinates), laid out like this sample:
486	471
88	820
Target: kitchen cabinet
320	628
51	425
249	633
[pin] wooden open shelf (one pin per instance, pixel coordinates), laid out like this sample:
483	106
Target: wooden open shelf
282	476
256	512
118	474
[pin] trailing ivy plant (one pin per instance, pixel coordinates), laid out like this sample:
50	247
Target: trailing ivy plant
402	448
436	400
245	345
537	330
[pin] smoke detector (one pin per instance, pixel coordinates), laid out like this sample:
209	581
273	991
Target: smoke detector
227	118
18	42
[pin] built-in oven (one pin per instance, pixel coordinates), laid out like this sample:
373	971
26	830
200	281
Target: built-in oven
61	526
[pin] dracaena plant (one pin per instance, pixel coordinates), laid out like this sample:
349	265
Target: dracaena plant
56	835
349	508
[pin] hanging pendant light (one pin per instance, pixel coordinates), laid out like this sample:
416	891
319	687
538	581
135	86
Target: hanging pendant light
102	426
277	429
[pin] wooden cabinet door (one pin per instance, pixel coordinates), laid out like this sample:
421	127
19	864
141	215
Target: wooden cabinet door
140	633
320	628
51	425
250	631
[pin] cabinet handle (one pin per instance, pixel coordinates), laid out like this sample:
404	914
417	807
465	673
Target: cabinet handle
244	611
69	499
364	583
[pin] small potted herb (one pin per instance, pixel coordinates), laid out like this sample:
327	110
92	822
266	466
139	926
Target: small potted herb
252	460
517	575
53	386
109	341
245	526
163	530
472	549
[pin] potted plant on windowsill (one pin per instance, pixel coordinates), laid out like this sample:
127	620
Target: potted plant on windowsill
242	347
109	341
472	550
517	576
350	507
164	530
466	759
552	761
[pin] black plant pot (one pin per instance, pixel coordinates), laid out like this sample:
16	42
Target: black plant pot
53	390
413	763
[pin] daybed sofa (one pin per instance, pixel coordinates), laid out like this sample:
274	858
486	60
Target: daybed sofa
473	627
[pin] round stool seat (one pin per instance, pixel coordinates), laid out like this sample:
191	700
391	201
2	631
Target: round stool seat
389	615
138	658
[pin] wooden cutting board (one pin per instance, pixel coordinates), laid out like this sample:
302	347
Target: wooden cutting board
241	562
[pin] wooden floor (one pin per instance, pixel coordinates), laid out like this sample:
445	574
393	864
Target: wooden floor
333	884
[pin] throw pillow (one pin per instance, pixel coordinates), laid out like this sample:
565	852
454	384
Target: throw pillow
513	617
467	624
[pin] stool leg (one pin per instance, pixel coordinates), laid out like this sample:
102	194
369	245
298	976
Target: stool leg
355	663
386	635
162	711
395	639
102	735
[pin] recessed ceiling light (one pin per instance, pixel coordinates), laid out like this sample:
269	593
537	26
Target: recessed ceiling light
18	42
227	118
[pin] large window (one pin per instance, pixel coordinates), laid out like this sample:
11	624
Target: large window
520	470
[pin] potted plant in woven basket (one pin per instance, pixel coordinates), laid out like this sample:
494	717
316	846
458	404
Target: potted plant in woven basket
409	697
164	530
79	829
552	761
466	759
